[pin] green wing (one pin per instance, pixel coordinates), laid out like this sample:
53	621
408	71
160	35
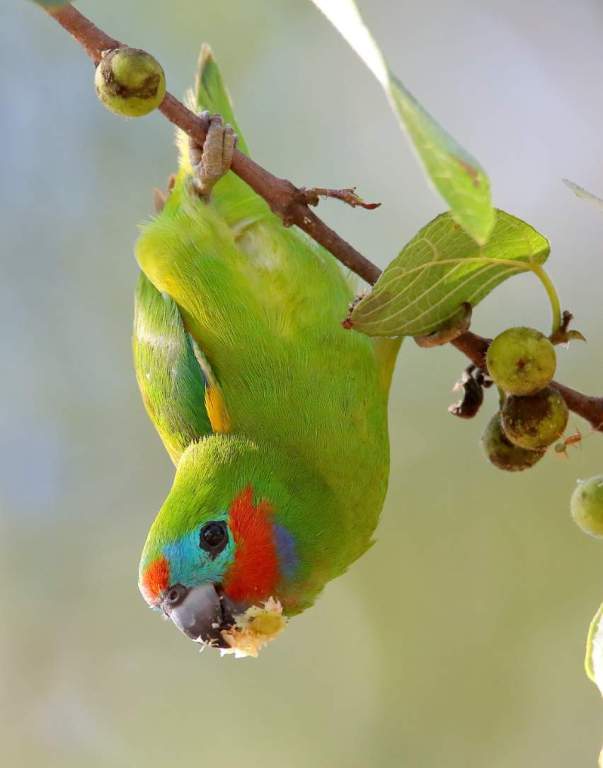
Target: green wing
171	381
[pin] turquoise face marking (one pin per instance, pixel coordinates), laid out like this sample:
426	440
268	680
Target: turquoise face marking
190	565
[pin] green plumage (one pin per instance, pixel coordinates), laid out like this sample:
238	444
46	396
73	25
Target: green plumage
306	399
168	373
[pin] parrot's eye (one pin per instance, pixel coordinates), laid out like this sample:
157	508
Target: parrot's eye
213	537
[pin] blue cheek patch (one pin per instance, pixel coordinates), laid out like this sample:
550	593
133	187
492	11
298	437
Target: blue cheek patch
190	565
286	551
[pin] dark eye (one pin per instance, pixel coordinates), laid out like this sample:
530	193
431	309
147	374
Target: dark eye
213	537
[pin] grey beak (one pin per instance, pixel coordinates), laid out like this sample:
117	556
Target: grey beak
201	613
198	612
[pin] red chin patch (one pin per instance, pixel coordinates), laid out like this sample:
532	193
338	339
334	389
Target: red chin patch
155	580
255	572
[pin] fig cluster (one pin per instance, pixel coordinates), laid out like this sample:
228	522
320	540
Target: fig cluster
533	414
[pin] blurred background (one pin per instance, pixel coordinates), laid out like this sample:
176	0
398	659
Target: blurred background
458	639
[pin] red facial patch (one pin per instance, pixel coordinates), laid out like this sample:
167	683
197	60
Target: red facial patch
255	571
155	580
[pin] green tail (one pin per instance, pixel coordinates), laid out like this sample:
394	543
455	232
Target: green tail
231	197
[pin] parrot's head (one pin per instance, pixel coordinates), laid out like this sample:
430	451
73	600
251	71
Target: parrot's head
228	539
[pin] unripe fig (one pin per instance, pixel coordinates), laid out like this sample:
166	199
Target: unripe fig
521	361
593	662
535	421
502	453
587	505
129	82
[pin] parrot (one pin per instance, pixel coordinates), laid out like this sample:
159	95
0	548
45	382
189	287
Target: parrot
274	415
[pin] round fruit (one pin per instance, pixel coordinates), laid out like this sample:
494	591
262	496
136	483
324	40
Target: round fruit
521	361
502	453
593	663
129	82
587	505
535	421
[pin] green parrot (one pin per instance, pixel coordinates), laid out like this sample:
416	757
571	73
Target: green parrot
274	414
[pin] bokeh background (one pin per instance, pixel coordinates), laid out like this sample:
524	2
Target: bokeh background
458	639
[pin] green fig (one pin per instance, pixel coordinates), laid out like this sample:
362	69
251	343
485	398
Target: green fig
521	361
587	505
129	82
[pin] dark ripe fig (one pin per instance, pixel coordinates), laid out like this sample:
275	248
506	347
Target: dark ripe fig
521	361
535	421
502	453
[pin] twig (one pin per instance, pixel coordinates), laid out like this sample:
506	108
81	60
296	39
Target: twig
283	197
312	195
291	203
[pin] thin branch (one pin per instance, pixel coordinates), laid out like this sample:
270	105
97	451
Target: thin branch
291	203
474	347
284	198
312	195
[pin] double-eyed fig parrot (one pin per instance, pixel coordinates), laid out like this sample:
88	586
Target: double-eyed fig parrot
273	413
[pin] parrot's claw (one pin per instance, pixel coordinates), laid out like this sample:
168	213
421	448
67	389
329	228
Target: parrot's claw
212	159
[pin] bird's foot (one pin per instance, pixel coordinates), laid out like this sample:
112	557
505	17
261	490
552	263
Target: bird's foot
212	159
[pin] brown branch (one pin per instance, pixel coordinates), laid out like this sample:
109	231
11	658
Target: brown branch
88	35
474	347
291	202
283	197
312	195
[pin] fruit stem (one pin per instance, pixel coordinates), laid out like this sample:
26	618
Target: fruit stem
551	293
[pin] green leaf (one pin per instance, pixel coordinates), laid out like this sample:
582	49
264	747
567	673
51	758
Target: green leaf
440	269
457	176
593	662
